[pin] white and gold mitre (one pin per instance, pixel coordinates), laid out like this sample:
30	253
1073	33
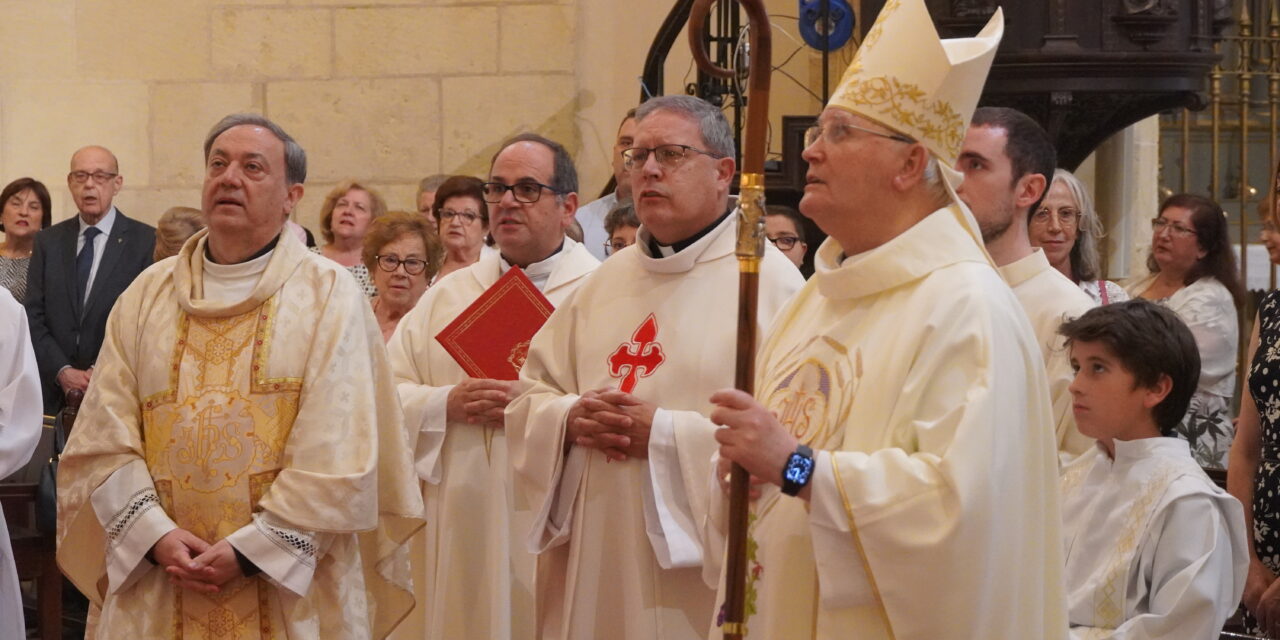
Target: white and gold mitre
909	80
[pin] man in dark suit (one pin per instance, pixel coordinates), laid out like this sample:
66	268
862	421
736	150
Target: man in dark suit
78	269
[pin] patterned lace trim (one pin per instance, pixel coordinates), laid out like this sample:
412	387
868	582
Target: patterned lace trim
299	544
138	504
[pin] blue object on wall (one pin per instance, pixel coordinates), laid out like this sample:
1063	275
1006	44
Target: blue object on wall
840	20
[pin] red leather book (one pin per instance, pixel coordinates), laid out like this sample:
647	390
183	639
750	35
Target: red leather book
490	338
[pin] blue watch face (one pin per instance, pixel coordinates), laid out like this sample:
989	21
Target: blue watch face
799	468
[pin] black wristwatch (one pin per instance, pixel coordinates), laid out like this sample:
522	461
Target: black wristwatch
798	471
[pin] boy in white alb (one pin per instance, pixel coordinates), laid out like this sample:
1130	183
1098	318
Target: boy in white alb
1154	549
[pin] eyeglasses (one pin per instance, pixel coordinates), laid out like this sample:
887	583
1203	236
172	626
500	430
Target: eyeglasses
526	192
615	245
1177	230
835	133
81	177
669	156
785	243
412	266
467	217
1066	217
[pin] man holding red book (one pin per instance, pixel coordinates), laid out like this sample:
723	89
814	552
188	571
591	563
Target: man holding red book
472	573
609	442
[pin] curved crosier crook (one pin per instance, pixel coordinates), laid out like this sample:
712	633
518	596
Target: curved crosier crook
753	140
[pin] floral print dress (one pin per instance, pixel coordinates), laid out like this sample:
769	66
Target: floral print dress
1264	384
1209	311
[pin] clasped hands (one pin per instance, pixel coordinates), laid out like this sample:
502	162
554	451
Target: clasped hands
195	564
614	422
71	378
480	401
1262	597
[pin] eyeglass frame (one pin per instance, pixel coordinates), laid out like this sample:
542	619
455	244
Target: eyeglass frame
1176	230
792	241
818	129
484	191
74	176
405	261
631	165
1075	219
609	249
468	217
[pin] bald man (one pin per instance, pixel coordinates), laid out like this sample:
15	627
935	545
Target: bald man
78	269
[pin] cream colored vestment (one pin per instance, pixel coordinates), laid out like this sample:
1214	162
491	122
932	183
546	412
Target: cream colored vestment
1049	299
1154	548
473	573
271	422
914	375
619	543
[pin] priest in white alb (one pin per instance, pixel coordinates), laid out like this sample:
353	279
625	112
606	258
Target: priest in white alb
472	571
20	422
901	433
610	442
1008	162
239	468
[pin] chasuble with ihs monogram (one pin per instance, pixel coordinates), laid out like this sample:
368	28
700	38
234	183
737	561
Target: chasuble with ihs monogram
270	422
913	374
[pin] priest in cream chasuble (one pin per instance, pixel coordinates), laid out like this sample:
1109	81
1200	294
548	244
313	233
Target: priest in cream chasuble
901	426
620	549
245	403
473	574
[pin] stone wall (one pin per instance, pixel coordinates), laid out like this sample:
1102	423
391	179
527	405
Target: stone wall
384	91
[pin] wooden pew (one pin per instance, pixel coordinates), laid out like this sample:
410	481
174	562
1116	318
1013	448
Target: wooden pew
34	554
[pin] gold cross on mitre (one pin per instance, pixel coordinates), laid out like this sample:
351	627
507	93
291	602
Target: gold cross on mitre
908	79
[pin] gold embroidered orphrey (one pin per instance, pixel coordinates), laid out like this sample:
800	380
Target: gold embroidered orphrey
907	105
214	441
813	399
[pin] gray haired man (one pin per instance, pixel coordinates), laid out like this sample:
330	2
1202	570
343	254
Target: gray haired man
611	446
239	468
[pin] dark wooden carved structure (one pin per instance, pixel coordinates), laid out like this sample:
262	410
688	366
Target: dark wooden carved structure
1085	69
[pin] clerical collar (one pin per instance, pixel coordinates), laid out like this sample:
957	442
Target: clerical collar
659	250
533	266
539	272
261	252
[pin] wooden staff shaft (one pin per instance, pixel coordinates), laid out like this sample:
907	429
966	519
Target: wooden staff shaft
750	250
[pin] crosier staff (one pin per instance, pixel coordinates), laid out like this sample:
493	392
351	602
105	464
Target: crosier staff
750	250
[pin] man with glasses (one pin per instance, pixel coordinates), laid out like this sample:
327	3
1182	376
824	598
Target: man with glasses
592	216
609	442
472	569
785	229
1008	162
78	269
900	431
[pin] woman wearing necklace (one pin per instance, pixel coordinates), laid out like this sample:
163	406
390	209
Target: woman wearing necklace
26	210
1193	273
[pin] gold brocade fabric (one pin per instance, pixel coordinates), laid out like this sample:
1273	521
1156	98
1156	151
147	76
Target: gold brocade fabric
213	443
280	403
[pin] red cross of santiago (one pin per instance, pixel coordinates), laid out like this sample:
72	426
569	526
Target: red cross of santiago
638	358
